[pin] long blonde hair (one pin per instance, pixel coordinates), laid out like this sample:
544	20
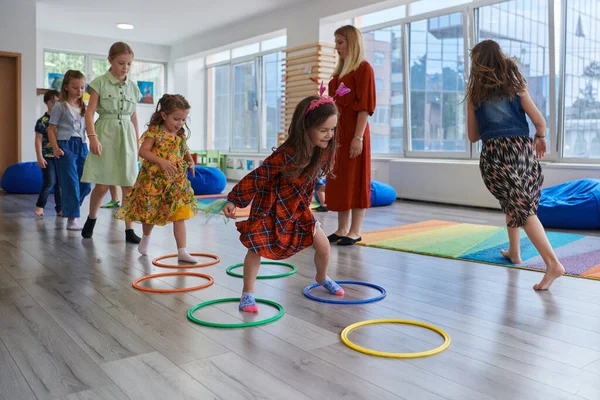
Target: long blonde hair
356	52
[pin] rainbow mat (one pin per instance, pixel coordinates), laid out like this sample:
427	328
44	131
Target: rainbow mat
205	200
580	254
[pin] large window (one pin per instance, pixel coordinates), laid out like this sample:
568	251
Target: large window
582	80
273	90
218	115
427	111
57	63
383	50
245	107
437	88
521	29
244	97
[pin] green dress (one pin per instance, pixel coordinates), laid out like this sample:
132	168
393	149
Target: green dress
118	163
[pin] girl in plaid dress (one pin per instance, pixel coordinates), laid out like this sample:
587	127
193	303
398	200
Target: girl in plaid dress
280	190
497	102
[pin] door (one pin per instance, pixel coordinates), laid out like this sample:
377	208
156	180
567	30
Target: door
10	109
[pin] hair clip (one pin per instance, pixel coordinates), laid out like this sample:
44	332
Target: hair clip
342	90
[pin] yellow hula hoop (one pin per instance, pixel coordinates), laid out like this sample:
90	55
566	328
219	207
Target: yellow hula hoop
347	342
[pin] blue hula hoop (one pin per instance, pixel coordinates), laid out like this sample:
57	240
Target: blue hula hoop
372	299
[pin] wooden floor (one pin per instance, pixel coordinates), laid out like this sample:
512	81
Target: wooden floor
72	326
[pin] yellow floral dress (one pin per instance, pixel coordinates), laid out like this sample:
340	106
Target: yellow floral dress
157	198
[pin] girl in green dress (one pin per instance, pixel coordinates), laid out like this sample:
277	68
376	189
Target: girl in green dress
114	137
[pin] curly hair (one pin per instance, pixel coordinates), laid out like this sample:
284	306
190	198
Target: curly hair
167	104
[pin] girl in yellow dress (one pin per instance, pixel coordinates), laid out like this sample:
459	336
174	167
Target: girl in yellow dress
162	192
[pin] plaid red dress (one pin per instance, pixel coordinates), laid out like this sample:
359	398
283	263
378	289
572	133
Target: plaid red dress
280	223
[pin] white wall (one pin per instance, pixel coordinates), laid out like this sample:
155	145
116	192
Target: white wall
60	41
459	181
17	35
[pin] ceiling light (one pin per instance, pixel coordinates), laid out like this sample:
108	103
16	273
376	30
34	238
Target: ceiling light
125	26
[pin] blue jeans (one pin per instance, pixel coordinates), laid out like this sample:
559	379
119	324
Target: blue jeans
50	175
70	169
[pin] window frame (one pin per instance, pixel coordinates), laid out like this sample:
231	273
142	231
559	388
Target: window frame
470	31
260	94
88	57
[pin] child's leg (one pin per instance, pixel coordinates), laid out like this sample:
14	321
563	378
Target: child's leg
114	193
322	250
45	189
180	239
57	192
321	196
67	168
554	269
514	239
145	242
251	266
130	235
95	200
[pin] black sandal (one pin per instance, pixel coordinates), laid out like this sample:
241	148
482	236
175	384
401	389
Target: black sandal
346	241
334	238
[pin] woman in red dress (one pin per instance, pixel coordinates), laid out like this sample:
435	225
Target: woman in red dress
350	191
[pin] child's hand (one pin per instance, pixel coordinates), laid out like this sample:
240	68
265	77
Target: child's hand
168	167
539	144
42	163
58	152
229	210
191	166
95	146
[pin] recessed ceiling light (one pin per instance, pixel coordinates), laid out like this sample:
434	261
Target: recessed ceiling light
125	26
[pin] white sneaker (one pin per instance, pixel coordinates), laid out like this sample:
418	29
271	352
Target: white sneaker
73	225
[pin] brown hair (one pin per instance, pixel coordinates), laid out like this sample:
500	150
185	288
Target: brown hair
64	95
493	74
356	52
50	94
119	48
167	104
322	160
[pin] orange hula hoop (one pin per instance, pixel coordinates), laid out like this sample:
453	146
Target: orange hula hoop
136	285
215	258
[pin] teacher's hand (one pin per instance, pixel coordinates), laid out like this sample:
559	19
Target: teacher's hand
356	148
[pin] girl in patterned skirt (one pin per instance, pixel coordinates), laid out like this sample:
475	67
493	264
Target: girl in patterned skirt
497	102
280	190
162	192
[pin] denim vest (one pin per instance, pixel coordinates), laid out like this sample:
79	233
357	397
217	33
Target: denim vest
501	118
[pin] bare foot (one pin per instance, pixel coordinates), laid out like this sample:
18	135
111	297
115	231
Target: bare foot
513	259
39	211
552	272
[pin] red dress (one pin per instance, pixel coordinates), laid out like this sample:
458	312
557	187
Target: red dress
351	187
280	223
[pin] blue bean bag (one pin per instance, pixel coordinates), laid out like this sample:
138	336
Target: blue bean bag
208	180
22	178
571	205
382	194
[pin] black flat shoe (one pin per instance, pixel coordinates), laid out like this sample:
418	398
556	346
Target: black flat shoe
346	241
334	238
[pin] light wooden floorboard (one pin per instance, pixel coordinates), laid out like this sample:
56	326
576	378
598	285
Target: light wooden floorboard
72	326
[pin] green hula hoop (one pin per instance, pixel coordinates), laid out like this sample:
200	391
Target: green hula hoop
292	272
191	311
